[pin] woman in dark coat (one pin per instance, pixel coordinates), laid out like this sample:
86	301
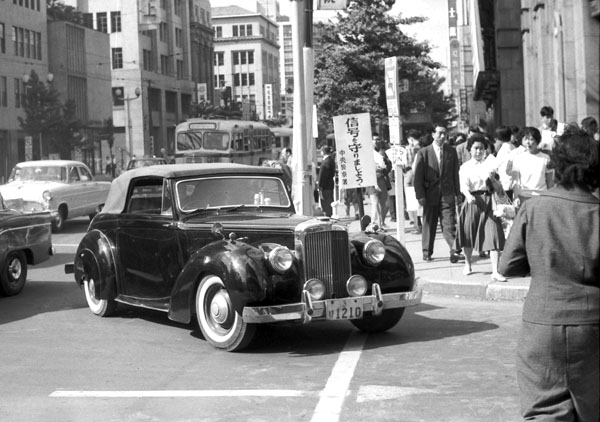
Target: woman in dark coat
555	238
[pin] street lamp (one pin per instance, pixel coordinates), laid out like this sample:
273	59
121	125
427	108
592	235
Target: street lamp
126	100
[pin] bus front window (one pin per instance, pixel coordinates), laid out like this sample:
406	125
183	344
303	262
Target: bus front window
216	140
189	141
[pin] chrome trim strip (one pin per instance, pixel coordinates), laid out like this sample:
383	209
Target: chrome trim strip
24	227
300	311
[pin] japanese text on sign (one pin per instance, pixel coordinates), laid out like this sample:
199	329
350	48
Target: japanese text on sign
356	167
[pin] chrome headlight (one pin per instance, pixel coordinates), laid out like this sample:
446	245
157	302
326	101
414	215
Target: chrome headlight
315	288
373	252
281	259
46	196
356	285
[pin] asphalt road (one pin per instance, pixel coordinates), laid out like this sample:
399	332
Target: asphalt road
447	360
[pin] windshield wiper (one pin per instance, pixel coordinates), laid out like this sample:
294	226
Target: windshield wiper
230	208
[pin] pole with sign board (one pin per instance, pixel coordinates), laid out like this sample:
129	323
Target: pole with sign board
392	89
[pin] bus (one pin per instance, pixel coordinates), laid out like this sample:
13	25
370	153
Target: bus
223	141
282	137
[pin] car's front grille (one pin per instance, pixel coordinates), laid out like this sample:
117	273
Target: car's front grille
327	258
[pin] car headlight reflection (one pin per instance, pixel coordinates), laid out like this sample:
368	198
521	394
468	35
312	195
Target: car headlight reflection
315	288
356	286
373	252
281	259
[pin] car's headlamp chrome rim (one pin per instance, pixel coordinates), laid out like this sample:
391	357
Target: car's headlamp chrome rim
46	196
374	252
281	259
315	288
356	286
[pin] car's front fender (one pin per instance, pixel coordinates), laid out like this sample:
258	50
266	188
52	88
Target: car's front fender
95	258
241	267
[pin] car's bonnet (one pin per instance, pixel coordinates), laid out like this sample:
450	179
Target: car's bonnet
28	190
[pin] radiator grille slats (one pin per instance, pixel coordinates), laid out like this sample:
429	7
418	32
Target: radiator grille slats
327	258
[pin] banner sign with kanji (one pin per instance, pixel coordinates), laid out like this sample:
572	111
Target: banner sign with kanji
354	151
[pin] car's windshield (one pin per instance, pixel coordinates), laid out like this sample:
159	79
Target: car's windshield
39	173
219	192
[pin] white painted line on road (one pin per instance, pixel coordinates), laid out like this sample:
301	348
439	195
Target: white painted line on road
65	245
180	393
332	397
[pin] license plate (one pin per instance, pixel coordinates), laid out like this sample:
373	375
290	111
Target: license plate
343	309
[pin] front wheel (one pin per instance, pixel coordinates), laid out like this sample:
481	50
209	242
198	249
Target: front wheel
221	325
100	307
378	323
14	274
59	222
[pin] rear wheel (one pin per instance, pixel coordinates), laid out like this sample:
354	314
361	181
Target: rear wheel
59	222
221	325
378	323
14	274
100	307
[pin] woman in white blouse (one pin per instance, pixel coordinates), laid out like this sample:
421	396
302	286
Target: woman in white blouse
477	227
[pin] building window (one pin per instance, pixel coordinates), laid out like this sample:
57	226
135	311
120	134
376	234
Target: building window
117	58
88	20
218	31
219	59
236	79
163	33
244	79
18	92
219	81
3	91
251	79
148	60
178	37
101	22
164	64
179	69
115	21
2	39
243	57
178	8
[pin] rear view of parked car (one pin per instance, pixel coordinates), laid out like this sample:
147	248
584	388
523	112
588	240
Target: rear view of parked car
221	243
67	189
25	239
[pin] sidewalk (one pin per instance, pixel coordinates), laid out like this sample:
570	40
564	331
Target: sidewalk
443	278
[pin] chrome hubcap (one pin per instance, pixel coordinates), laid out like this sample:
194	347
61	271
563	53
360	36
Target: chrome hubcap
219	308
15	269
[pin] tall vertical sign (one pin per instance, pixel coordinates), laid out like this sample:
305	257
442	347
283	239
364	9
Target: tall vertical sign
454	55
268	101
392	99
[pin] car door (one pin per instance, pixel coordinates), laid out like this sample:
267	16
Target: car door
72	193
148	251
89	192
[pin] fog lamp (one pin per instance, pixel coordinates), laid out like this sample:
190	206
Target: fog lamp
315	288
356	285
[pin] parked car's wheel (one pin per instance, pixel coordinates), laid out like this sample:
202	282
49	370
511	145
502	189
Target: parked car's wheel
100	307
378	323
14	273
221	325
59	222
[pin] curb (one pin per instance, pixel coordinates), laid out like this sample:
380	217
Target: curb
474	290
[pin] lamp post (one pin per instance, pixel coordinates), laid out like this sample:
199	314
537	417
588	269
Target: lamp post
126	100
49	78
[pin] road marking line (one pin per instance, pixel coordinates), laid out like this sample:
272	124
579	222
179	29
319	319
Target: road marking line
332	397
180	393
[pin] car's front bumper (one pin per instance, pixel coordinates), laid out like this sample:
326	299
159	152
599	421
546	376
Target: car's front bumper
308	309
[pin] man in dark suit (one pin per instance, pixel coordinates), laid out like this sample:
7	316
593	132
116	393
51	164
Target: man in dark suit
437	189
325	180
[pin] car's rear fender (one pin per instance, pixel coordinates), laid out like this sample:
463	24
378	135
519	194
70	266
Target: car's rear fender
95	258
240	266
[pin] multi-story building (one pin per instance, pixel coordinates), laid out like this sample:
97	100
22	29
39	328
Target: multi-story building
246	60
23	48
79	60
157	48
286	67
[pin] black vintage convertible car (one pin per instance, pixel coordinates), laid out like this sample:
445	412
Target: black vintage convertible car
25	239
222	243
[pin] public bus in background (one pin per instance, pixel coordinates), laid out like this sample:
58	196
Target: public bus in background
223	141
283	137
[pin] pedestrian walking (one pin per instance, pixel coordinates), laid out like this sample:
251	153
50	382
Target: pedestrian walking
555	239
437	188
478	228
378	194
325	180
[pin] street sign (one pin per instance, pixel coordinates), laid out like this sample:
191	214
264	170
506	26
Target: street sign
391	85
332	4
28	148
354	151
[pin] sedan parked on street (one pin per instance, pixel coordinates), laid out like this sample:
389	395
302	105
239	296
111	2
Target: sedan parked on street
25	239
65	188
222	243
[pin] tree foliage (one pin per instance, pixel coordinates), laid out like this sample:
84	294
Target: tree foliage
47	116
349	65
61	12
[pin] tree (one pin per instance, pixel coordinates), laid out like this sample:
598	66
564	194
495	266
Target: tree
47	118
349	65
61	12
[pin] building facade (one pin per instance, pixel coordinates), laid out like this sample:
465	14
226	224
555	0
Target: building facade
23	48
246	61
157	48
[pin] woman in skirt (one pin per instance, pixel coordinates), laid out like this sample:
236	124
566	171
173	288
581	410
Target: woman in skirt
478	228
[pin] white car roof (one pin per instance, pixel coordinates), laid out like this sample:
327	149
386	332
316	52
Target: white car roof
56	163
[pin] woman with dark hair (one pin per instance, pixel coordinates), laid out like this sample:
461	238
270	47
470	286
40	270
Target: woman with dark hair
477	227
555	238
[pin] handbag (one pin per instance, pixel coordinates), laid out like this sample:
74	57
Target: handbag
503	207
